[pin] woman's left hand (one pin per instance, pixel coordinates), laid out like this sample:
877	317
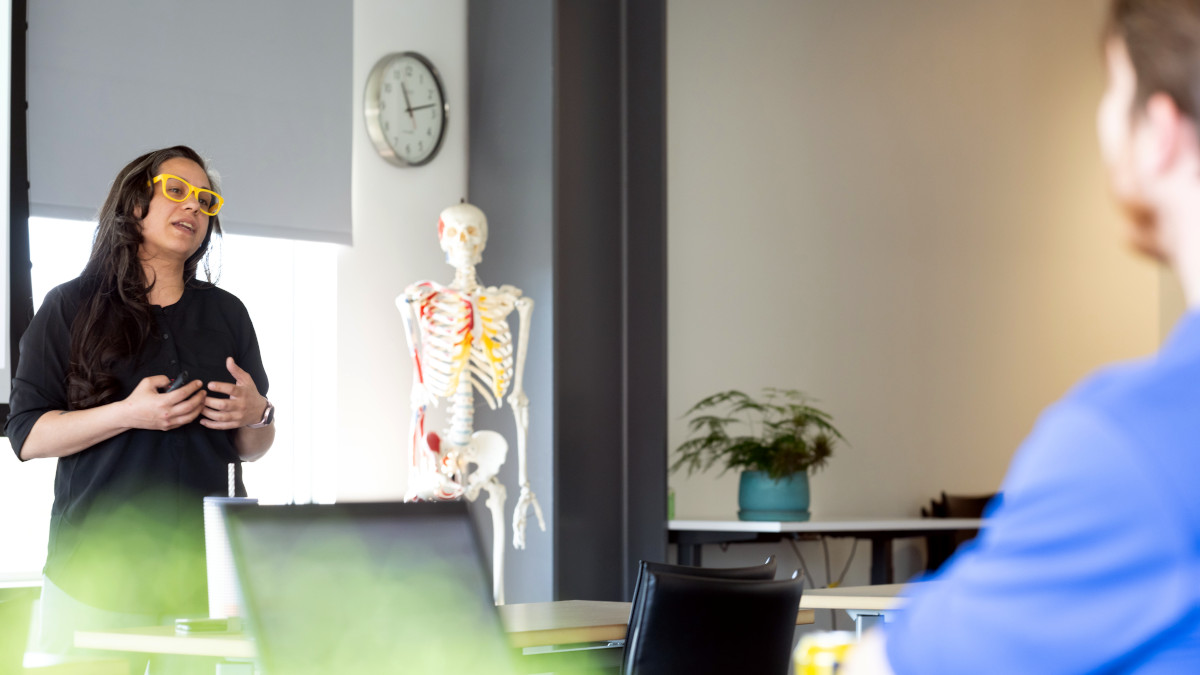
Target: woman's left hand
244	405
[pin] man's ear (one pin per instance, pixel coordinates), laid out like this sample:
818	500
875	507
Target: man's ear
1168	133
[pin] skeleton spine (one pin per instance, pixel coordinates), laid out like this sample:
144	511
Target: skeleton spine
462	413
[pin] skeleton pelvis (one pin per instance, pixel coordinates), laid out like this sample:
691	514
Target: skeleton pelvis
486	452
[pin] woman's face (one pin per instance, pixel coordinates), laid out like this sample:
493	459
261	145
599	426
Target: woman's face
170	229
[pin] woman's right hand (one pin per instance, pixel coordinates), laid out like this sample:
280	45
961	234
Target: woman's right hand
149	409
59	433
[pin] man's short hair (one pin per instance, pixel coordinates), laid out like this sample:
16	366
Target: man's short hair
1163	41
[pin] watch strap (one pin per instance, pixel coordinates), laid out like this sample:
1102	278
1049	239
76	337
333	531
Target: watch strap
267	418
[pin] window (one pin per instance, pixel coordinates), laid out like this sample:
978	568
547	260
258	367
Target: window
290	290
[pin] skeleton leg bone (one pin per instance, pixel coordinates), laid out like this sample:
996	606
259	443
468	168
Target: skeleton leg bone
495	503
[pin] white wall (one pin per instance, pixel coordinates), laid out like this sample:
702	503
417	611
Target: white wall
395	212
395	244
898	207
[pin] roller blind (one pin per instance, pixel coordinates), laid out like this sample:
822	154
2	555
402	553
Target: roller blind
262	89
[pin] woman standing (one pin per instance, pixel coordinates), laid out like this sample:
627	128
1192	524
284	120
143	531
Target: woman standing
94	388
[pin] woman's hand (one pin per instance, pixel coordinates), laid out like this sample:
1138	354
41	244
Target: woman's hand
244	405
148	409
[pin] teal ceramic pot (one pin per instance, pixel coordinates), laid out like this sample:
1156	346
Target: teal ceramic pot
761	498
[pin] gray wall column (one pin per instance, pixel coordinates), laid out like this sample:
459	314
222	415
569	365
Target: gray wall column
568	143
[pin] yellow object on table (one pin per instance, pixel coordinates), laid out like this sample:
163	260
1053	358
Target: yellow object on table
822	653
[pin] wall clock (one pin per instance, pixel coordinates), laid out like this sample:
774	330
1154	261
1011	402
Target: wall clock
405	108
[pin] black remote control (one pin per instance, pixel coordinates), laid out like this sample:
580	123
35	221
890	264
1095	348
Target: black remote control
177	382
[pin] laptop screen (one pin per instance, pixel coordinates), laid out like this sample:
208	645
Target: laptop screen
371	588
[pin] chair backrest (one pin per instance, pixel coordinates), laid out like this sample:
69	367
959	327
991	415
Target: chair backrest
763	571
693	624
964	506
941	546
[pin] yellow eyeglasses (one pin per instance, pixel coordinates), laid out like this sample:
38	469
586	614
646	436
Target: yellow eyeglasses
178	190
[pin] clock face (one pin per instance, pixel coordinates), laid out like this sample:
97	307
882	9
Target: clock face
406	109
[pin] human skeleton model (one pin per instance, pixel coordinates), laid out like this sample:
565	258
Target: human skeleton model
460	343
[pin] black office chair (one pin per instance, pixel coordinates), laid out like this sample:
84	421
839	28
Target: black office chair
942	545
764	571
693	624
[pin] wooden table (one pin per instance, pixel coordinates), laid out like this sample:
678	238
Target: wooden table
20	581
538	624
574	621
690	535
528	625
531	625
867	605
164	640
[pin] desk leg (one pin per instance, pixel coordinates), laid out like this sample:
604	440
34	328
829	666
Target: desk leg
864	620
689	553
881	560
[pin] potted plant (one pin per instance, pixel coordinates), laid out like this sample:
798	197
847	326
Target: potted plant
775	440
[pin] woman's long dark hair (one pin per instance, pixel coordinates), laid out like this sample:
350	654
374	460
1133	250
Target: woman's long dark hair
115	320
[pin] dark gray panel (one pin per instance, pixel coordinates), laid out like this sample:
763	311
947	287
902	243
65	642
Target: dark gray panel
567	150
645	284
511	179
20	289
588	356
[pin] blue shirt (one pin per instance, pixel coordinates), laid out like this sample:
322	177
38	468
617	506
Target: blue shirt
1090	562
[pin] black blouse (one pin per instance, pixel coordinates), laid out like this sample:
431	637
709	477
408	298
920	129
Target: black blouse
127	529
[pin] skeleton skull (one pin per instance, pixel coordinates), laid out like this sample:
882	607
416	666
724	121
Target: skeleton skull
462	231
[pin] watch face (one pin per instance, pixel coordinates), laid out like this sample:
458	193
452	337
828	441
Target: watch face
406	109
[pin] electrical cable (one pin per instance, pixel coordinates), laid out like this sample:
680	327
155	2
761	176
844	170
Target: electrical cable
850	559
828	580
807	576
825	547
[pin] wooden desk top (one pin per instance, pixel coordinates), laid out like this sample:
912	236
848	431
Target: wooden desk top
528	625
52	664
573	621
827	525
20	581
164	640
565	622
881	597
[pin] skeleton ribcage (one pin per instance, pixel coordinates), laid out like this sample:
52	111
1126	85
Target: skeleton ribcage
466	335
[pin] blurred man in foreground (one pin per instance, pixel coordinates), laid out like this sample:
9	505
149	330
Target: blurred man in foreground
1091	563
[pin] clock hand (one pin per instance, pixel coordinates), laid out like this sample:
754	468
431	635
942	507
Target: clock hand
408	106
422	107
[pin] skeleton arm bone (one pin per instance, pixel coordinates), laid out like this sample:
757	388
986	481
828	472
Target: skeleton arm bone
520	406
420	395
